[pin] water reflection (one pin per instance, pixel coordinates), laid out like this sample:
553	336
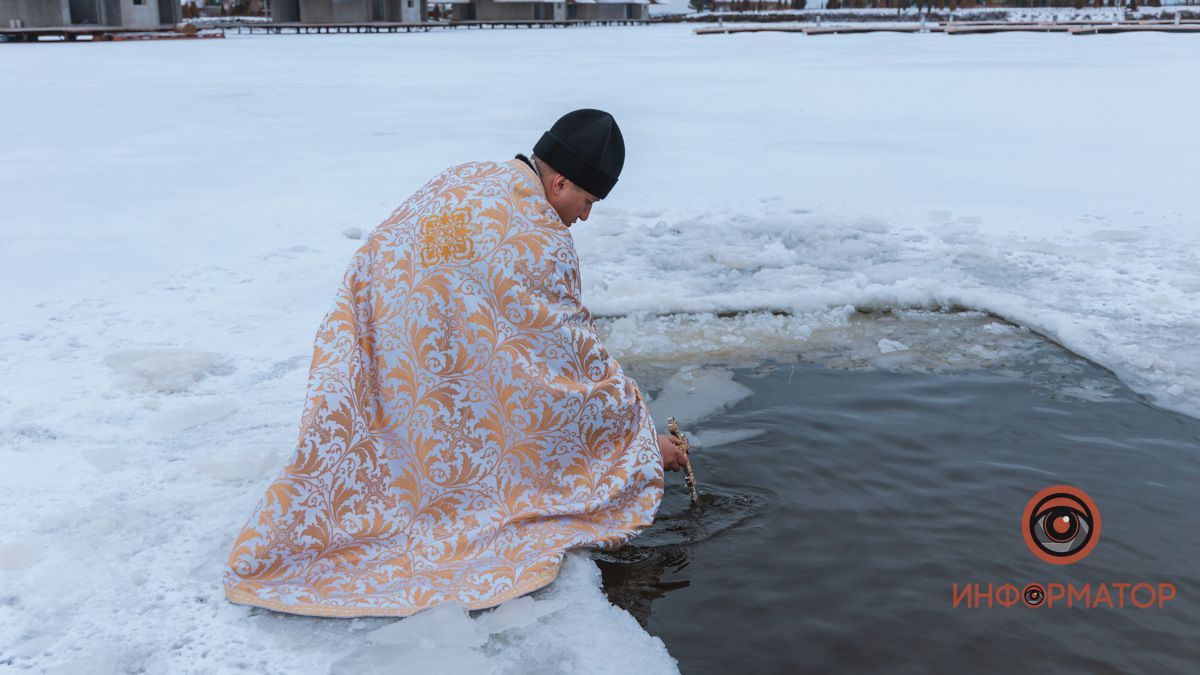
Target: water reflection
635	579
637	574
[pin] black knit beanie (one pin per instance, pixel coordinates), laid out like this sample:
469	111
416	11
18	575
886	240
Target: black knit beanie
585	146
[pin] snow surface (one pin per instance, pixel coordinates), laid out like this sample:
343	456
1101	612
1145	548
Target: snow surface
176	216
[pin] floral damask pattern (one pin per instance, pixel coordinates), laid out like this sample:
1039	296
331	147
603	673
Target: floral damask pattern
446	236
464	426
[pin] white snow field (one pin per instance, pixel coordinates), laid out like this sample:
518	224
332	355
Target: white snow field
176	216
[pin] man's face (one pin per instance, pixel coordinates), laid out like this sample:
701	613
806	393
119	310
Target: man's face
571	201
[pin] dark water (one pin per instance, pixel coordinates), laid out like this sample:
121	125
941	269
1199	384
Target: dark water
831	540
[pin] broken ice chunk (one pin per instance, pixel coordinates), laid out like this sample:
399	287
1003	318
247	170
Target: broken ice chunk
169	371
695	393
887	346
446	625
104	459
19	554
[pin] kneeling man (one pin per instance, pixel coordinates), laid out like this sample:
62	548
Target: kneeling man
464	427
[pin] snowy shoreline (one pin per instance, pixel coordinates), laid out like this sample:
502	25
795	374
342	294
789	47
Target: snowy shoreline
178	216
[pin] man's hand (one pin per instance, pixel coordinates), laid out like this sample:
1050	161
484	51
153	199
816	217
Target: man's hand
672	457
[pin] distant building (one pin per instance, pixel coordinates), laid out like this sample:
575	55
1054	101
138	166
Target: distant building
549	10
347	11
523	10
416	11
609	9
124	13
215	8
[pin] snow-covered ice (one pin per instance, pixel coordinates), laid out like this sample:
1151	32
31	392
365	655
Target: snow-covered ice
564	628
177	215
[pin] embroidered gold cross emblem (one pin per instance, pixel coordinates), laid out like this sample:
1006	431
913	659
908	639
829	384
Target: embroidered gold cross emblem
446	236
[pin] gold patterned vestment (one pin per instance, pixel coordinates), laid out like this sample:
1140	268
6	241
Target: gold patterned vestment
464	426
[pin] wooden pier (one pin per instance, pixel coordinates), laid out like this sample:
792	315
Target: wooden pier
954	29
719	30
821	30
846	30
973	28
1099	29
107	33
103	34
395	27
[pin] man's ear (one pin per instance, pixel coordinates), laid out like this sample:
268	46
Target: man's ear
559	182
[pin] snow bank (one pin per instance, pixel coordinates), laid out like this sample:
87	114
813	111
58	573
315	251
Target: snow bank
171	246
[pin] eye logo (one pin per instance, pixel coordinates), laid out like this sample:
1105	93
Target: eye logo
1033	595
1061	525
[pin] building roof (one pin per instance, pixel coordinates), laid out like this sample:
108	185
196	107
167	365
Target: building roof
572	2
